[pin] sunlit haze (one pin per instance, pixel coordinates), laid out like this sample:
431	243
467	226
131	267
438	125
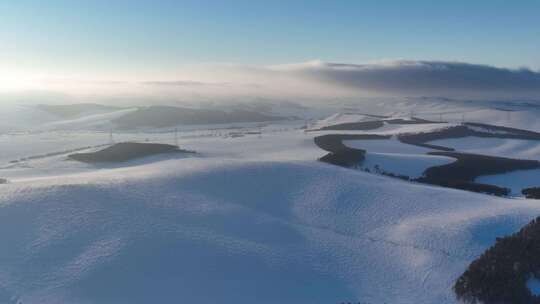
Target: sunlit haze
212	49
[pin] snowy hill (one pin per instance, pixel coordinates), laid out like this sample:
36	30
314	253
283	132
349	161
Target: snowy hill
76	110
253	217
166	116
252	220
88	122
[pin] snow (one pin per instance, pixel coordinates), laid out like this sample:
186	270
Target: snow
410	165
18	117
512	148
516	180
98	120
386	146
521	118
503	113
490	131
386	129
392	129
393	156
249	219
341	118
276	231
534	285
20	145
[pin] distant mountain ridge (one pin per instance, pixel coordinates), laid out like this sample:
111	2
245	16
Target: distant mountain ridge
167	116
160	116
75	110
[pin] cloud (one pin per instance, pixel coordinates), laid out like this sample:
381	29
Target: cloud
422	78
314	80
181	83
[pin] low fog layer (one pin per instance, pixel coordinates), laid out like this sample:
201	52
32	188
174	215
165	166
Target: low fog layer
302	82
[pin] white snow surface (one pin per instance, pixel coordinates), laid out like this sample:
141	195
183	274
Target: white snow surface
410	165
386	129
247	220
516	181
512	148
90	121
341	118
386	146
393	156
534	285
17	117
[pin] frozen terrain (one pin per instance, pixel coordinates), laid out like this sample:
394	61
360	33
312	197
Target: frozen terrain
252	218
409	165
513	148
396	157
516	181
85	122
340	118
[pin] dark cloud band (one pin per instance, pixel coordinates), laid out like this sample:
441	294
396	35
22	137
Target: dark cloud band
421	77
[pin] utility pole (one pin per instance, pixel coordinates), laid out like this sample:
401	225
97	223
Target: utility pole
111	138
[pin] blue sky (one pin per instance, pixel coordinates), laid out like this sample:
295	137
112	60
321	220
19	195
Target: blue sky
158	35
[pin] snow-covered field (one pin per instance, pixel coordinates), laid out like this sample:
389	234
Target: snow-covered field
391	155
516	181
341	118
386	146
250	219
99	120
512	148
409	165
